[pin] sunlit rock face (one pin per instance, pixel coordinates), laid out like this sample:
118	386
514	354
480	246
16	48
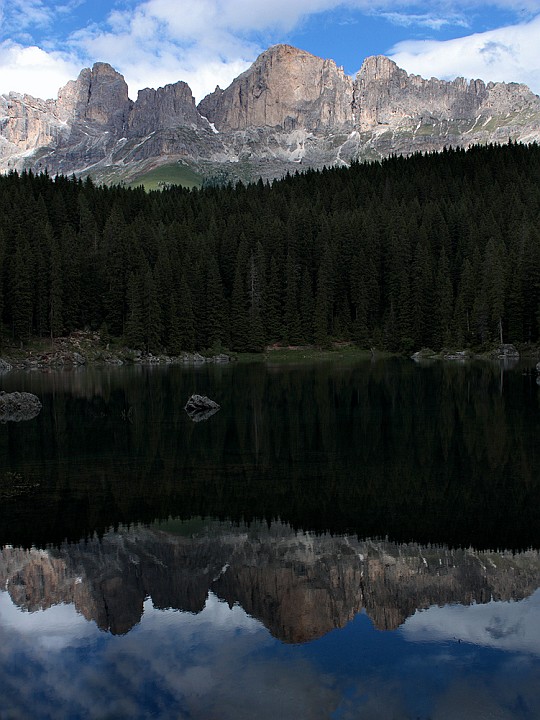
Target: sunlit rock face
98	96
290	109
299	585
285	88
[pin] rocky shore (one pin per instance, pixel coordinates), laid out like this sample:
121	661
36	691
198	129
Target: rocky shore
88	348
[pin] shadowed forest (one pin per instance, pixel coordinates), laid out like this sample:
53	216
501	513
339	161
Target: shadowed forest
439	250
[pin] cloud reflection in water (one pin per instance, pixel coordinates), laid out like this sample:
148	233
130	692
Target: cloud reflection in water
222	663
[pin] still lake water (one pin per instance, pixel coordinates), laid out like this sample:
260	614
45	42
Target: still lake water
341	540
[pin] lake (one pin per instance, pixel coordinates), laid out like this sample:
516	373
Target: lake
348	539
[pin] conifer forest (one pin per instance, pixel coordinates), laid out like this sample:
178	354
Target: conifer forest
439	250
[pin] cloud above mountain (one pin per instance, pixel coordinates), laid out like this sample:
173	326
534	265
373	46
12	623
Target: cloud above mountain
509	53
154	42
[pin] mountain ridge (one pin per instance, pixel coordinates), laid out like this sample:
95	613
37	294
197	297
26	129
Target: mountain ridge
289	109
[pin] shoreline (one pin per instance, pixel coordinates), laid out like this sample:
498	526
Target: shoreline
87	348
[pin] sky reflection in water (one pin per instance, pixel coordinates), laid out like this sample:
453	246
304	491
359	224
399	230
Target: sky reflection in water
449	662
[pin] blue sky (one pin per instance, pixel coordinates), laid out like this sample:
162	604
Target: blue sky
43	44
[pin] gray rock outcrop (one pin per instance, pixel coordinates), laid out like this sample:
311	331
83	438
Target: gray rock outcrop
17	406
162	109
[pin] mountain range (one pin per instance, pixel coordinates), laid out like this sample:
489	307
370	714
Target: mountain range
290	110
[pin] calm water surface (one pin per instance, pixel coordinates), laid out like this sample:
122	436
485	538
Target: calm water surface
338	541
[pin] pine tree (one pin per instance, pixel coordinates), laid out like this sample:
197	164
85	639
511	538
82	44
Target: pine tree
152	324
216	329
71	281
292	331
272	303
115	241
494	282
239	303
134	335
2	255
20	292
256	289
56	323
186	318
323	310
444	301
307	306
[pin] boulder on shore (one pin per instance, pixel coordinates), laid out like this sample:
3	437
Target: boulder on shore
5	366
507	351
200	407
17	406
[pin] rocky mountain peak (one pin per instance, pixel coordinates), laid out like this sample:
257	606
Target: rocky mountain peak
377	68
167	107
285	88
99	95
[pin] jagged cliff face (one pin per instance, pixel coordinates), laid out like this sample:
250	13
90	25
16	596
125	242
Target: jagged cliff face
289	109
299	585
285	88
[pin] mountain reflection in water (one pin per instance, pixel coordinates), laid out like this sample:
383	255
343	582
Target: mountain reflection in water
299	585
263	598
313	593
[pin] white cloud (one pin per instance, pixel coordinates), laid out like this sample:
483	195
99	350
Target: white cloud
209	42
506	54
512	626
432	21
55	628
34	71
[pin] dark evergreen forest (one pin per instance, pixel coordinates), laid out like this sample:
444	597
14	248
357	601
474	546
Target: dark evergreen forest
432	250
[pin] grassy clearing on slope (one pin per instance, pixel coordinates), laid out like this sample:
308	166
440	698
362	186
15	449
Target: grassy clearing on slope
174	174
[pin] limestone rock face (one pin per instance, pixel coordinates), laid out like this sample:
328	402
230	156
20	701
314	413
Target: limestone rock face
165	108
284	88
385	94
26	124
99	96
289	108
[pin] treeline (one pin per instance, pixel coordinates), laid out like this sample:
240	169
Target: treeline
439	250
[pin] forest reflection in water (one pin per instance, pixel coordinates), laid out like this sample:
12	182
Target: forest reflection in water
339	540
438	454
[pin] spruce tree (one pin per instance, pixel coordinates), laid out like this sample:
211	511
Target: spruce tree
239	325
272	303
186	318
134	335
20	292
152	322
56	322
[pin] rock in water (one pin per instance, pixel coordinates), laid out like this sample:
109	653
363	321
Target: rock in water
17	406
200	407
